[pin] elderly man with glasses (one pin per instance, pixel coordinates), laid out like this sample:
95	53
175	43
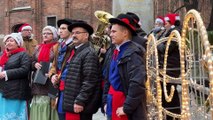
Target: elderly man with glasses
82	87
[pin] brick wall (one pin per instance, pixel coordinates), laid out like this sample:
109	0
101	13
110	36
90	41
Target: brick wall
35	12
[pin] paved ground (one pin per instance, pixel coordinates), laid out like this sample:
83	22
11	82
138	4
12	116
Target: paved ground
99	116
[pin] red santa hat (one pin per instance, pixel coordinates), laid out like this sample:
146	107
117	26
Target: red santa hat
24	27
171	18
160	19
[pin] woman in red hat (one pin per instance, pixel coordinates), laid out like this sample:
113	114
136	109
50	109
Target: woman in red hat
159	28
173	65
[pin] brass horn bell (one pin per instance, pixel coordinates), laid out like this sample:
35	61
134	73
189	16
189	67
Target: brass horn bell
100	39
103	16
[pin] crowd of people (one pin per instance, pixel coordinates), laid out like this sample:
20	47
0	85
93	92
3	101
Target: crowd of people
81	83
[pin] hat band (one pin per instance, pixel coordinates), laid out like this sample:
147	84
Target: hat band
135	21
125	20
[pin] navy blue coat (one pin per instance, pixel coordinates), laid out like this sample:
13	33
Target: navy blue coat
133	77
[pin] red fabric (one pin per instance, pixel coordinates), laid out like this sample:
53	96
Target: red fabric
102	84
72	116
71	55
171	18
44	54
25	24
118	99
115	54
125	20
6	54
162	18
61	85
59	72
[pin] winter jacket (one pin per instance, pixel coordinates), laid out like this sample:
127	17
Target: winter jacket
83	83
133	77
140	40
30	45
17	69
173	60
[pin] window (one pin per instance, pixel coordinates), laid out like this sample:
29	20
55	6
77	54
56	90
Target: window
51	21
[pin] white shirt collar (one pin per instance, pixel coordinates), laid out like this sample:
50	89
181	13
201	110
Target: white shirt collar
118	46
69	40
76	47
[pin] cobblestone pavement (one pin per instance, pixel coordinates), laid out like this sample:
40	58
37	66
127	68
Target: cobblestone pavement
99	116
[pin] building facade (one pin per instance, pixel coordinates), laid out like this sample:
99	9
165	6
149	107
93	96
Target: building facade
39	13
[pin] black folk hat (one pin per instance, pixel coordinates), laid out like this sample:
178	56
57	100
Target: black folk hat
82	24
66	21
135	17
126	21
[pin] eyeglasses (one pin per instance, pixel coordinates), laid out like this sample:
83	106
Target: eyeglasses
47	33
77	33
